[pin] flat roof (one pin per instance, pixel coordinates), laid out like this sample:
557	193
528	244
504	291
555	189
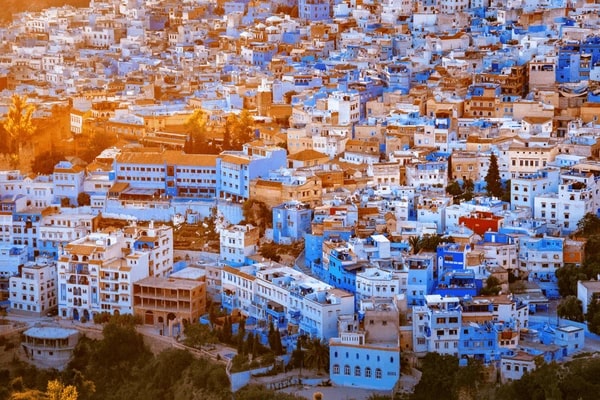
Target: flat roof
570	328
191	273
168	283
50	332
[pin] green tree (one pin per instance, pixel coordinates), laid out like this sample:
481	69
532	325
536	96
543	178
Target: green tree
571	308
258	392
492	179
415	244
58	391
238	130
588	225
469	380
198	335
83	199
437	379
507	190
317	354
567	278
19	123
492	286
454	189
593	316
44	163
197	128
258	214
95	144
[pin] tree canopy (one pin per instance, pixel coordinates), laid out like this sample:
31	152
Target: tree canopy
18	123
492	179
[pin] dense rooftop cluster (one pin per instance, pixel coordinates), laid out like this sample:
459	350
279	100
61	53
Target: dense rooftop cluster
426	153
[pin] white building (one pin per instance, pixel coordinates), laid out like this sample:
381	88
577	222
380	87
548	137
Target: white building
513	367
33	291
525	188
96	273
286	297
436	325
11	256
375	282
68	181
49	346
346	104
238	242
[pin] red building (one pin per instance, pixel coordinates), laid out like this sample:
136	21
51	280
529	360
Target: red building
481	222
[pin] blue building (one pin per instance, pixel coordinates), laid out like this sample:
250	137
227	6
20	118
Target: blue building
169	172
479	341
237	168
397	76
420	278
314	10
291	221
573	64
343	265
68	181
366	353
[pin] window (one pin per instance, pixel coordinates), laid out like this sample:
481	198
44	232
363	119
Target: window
368	372
346	370
336	369
357	371
377	373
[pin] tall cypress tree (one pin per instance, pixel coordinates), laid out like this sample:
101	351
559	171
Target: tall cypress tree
492	179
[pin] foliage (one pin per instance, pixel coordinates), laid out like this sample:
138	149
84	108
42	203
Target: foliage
428	243
257	392
507	190
275	340
460	192
492	286
199	141
437	380
239	130
589	225
83	199
274	251
95	144
568	275
18	123
492	179
570	307
316	354
58	391
572	380
198	335
442	378
593	316
258	214
44	163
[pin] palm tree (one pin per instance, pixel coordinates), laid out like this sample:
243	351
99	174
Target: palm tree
18	123
317	354
415	243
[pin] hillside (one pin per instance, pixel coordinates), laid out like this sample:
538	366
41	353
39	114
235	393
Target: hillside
10	7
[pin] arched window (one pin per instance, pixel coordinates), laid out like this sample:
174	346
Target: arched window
336	369
377	373
357	371
368	372
346	370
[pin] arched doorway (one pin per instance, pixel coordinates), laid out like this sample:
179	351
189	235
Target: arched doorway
86	315
75	314
117	313
149	318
